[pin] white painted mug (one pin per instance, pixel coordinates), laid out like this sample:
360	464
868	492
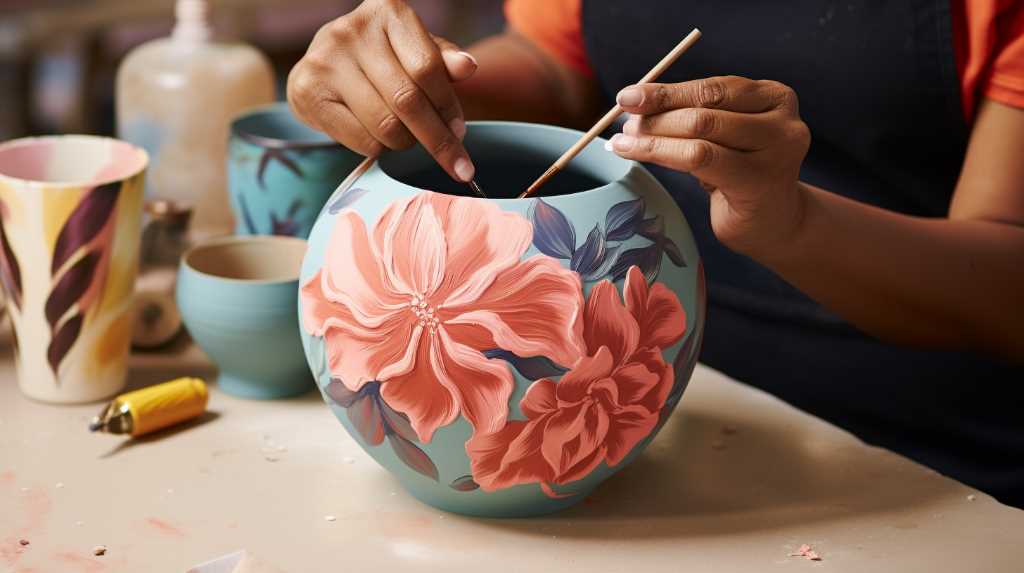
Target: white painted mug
70	217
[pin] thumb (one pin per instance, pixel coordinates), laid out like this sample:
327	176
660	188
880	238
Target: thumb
460	65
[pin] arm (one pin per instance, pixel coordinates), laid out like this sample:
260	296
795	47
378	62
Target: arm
955	283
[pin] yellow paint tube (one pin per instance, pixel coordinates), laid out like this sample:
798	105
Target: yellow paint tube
153	408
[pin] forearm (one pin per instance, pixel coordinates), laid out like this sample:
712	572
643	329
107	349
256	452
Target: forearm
926	282
517	81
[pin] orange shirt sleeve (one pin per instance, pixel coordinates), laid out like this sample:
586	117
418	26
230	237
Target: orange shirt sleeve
554	26
1005	81
989	38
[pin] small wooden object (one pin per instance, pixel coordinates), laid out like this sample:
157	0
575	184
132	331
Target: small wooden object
613	113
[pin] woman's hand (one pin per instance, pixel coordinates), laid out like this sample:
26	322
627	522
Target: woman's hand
376	78
743	139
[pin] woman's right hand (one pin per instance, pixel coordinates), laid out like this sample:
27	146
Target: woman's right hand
376	78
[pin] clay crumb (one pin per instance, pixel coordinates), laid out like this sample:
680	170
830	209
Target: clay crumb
806	552
329	518
349	460
59	485
79	523
971	497
23	542
270	458
99	550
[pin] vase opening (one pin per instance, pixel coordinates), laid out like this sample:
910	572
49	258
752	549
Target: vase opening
508	158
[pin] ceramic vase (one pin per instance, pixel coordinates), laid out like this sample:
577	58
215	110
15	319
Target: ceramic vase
502	357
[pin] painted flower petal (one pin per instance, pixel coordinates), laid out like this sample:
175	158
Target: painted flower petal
508	457
572	388
532	309
412	248
608	323
657	310
591	253
483	242
642	376
539	399
628	428
427	398
563	428
553	234
483	386
623	218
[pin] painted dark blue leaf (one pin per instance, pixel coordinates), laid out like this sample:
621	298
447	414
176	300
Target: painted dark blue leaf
652	228
611	255
672	250
531	368
71	286
340	394
623	218
464	483
10	271
247	220
281	156
647	258
346	199
591	254
396	421
553	234
412	456
364	414
85	222
62	342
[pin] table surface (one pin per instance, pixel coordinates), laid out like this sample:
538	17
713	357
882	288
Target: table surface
263	476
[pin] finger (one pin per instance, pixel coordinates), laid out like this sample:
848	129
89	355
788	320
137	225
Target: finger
414	109
340	124
459	63
730	93
710	162
743	131
357	92
421	58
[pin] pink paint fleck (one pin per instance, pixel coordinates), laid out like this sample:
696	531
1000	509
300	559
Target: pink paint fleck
7	477
806	552
164	527
80	563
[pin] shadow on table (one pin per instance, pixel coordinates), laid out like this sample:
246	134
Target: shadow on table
159	435
696	480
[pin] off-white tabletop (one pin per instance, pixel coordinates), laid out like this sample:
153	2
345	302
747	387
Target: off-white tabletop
263	476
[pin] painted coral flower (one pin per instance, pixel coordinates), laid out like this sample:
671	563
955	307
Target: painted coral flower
415	305
601	409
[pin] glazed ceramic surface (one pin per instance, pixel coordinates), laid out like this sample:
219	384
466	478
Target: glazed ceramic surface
503	357
237	300
71	209
281	172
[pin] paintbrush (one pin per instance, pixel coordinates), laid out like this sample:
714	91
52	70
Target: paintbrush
612	114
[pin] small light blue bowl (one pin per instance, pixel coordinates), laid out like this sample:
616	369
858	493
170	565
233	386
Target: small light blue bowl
237	299
280	172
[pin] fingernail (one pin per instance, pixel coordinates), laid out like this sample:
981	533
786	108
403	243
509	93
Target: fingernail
630	97
464	169
632	125
469	57
608	144
623	142
458	127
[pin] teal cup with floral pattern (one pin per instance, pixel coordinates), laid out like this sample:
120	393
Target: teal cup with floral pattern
281	172
502	357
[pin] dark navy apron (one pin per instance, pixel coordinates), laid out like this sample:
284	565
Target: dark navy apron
878	87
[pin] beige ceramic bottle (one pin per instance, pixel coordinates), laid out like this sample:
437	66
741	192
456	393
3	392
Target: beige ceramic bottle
176	97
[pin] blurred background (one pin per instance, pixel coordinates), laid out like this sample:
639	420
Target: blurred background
58	58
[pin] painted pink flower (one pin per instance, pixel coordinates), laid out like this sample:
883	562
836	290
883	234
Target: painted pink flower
602	408
415	305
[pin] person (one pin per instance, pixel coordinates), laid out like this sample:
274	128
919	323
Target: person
853	173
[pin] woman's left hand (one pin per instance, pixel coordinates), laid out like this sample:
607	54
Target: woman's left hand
743	139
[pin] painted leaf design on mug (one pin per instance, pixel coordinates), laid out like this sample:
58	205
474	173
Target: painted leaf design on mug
373	419
10	271
80	257
553	234
86	221
346	199
532	367
250	225
623	218
281	156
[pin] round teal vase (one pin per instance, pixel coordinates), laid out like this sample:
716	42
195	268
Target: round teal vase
502	357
